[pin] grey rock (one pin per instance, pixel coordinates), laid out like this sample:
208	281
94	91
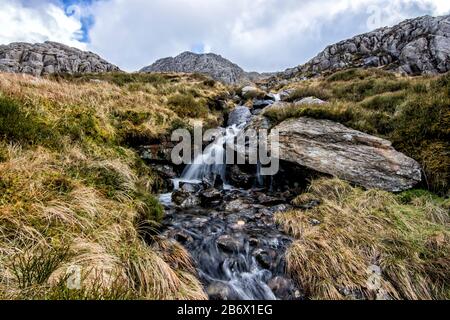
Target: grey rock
239	115
50	57
309	100
334	149
209	64
230	244
415	46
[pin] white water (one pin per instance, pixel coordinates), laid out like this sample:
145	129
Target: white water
213	159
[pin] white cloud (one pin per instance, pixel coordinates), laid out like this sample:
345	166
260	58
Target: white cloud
37	21
262	35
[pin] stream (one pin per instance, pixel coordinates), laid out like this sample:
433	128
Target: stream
230	233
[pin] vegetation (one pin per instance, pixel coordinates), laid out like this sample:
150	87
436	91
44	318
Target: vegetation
413	113
354	233
73	194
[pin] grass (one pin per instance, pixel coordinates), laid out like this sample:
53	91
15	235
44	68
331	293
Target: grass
413	113
73	193
406	236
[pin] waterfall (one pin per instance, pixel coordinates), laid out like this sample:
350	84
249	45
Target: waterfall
213	159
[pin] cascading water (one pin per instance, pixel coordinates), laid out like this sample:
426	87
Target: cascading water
238	249
213	159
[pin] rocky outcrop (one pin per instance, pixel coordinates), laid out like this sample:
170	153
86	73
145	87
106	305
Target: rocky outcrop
49	58
415	46
334	149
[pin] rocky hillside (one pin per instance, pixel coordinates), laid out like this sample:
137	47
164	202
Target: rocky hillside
49	58
416	46
209	64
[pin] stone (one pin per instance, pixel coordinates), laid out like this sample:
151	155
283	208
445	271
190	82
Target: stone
218	291
236	205
230	244
210	196
49	58
331	148
284	289
239	178
309	100
239	115
261	104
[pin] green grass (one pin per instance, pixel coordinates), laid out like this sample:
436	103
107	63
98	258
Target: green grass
186	105
17	124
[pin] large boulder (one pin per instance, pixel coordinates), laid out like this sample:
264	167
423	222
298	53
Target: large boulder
334	149
239	115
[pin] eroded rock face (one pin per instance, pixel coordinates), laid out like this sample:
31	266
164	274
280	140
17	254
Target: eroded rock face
334	149
415	46
49	58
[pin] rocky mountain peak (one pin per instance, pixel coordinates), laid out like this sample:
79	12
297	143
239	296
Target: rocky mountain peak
414	46
50	57
210	64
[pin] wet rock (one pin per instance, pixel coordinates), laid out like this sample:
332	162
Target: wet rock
331	148
178	196
190	202
265	258
284	289
239	115
190	187
181	236
230	244
240	179
236	205
261	104
218	291
210	196
268	200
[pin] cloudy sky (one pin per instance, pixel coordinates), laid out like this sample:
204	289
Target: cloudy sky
259	35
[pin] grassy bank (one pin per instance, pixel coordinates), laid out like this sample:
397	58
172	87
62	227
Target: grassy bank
355	235
73	194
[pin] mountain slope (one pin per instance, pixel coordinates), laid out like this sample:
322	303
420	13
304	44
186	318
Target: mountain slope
49	58
210	64
415	46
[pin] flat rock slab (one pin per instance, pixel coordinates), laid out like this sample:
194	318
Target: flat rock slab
334	149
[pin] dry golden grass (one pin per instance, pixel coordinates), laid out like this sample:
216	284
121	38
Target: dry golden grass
409	241
73	194
98	233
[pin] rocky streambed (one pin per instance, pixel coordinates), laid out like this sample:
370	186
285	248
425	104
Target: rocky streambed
238	249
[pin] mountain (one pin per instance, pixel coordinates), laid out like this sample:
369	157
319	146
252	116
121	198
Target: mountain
210	64
48	58
415	46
